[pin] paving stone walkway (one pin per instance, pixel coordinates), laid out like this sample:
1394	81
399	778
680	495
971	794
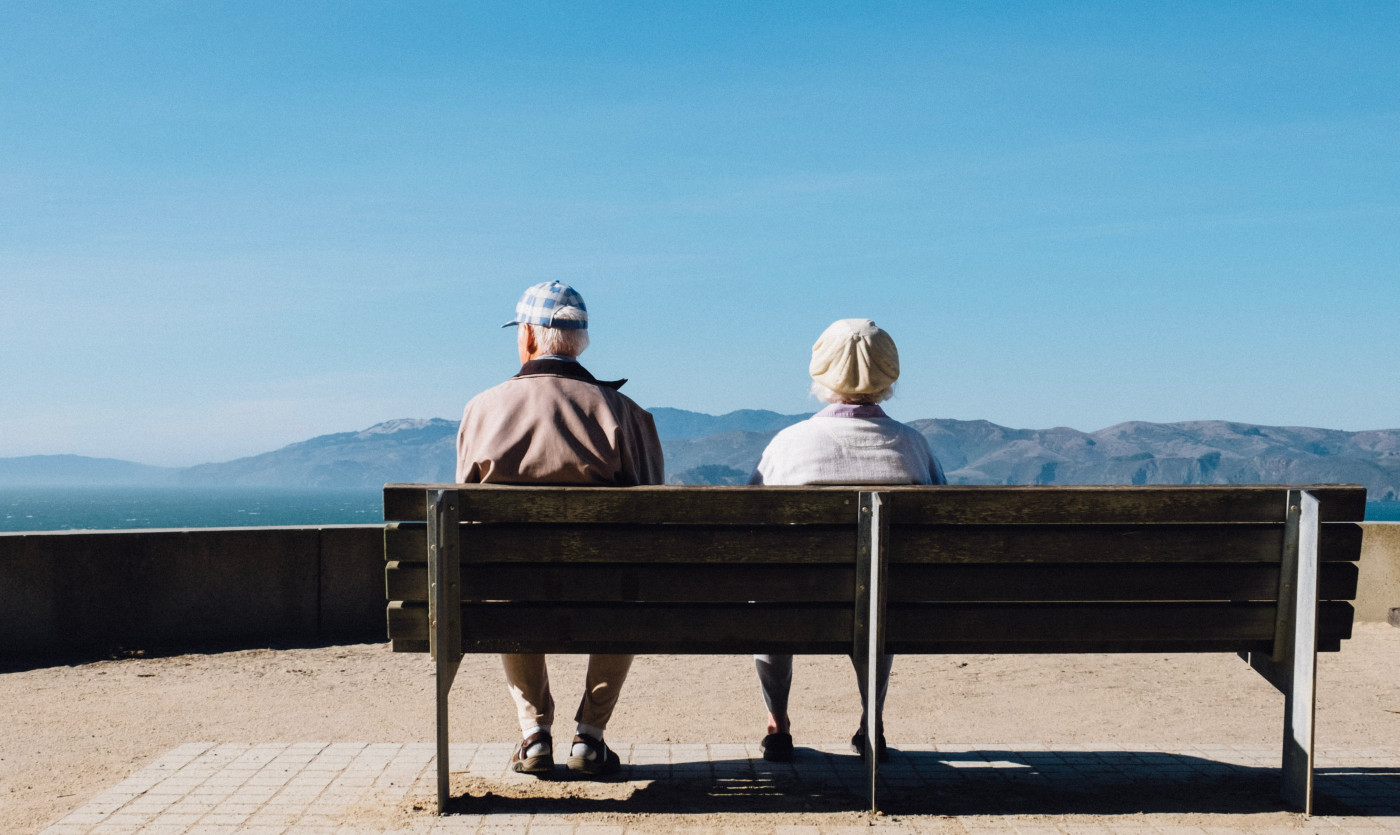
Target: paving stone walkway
351	788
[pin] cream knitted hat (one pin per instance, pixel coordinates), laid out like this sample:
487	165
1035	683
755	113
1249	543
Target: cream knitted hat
853	356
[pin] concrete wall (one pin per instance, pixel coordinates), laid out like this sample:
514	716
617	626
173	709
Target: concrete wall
1378	588
172	589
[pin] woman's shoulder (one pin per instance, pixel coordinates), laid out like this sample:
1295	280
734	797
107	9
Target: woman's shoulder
798	434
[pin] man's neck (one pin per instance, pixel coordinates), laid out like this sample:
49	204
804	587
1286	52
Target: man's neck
564	367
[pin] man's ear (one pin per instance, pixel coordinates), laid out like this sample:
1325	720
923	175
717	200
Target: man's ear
525	339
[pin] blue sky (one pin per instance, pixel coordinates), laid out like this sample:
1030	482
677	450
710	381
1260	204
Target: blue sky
225	227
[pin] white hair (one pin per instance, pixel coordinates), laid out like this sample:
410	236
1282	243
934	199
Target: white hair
566	342
826	395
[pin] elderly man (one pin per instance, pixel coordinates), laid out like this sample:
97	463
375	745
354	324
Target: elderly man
553	423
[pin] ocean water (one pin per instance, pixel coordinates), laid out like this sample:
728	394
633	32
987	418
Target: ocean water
116	508
1383	511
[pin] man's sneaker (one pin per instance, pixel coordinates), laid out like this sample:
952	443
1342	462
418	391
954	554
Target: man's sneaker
534	755
882	754
593	757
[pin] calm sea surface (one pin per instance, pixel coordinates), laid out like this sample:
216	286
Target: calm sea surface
111	508
1383	511
114	508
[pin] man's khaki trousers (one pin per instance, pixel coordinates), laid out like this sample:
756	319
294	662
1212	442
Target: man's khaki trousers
528	679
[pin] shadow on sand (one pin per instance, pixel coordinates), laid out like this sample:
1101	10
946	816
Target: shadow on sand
977	782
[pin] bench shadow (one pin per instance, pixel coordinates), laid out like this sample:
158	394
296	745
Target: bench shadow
990	782
1364	791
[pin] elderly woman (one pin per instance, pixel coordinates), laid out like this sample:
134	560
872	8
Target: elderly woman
851	441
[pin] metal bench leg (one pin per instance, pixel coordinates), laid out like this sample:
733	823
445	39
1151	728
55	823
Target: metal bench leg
444	617
869	643
1300	652
1292	667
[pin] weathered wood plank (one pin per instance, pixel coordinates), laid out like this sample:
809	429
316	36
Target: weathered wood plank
794	583
501	627
602	582
407	621
1323	646
1115	504
815	628
641	505
730	544
610	542
912	628
1002	647
1107	543
405	542
932	627
1105	582
835	505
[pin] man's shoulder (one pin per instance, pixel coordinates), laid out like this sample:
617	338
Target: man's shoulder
627	402
506	388
543	387
521	384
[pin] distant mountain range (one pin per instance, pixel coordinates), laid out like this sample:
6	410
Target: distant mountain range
385	452
1191	452
67	470
678	424
723	449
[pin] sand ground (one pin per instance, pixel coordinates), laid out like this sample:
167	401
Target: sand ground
71	731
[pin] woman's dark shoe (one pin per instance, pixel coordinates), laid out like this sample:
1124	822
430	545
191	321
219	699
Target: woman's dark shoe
882	754
777	748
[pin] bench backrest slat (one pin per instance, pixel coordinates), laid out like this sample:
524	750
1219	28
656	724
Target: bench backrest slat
633	505
576	627
710	583
1115	504
1236	542
948	628
910	505
580	543
1043	627
572	542
609	583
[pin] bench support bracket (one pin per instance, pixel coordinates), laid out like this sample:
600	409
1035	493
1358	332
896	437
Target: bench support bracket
444	615
1292	666
869	639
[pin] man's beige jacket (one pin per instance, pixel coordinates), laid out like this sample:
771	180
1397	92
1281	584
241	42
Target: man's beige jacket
553	423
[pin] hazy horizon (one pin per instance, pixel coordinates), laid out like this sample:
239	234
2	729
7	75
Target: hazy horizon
800	414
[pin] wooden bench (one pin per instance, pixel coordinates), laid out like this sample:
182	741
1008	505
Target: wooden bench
1263	571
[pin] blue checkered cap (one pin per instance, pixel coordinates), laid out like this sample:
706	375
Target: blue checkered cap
541	302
